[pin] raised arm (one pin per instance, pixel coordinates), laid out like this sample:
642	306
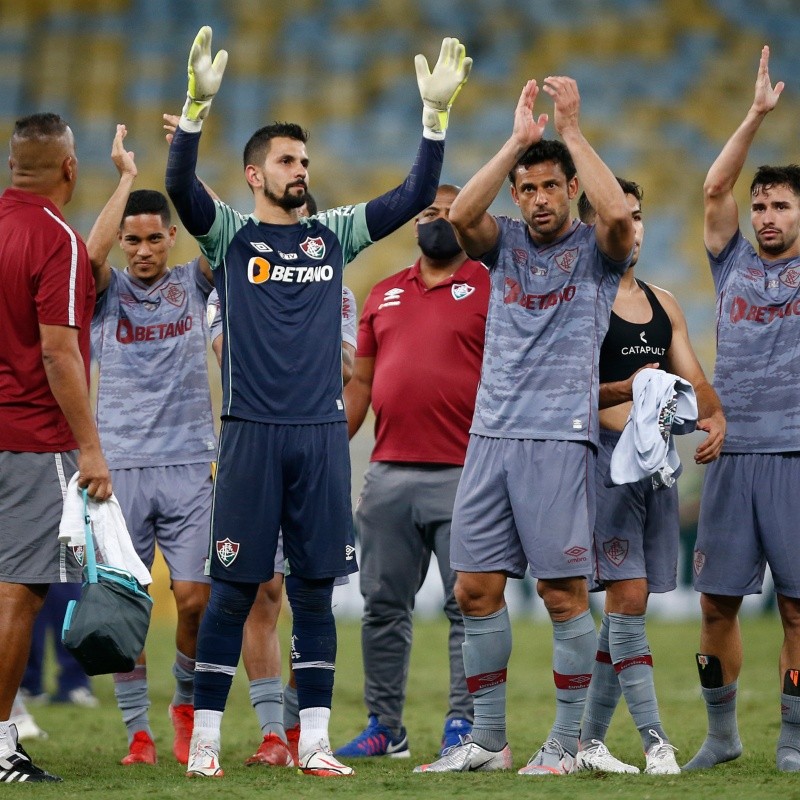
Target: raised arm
194	205
681	360
106	228
721	219
475	228
438	90
614	226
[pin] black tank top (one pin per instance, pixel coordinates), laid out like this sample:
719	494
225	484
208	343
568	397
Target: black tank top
628	346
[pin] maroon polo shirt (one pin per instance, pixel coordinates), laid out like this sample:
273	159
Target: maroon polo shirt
45	278
428	348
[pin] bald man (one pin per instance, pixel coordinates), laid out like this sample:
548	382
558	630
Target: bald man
47	429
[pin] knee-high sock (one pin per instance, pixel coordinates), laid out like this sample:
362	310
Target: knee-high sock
574	650
604	691
219	643
722	741
266	695
486	649
183	670
788	753
313	656
130	689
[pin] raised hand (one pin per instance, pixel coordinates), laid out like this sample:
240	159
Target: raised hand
205	76
123	159
170	124
566	100
766	96
440	88
527	130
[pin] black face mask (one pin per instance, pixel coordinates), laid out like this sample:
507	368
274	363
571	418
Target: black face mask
437	240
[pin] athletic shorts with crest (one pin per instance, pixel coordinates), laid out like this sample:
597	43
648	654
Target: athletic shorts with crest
32	487
525	502
637	531
748	519
169	506
274	477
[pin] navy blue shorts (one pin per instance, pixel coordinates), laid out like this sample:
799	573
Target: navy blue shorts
271	478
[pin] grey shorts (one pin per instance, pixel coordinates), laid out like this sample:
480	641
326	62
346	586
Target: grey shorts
525	502
170	506
748	519
32	487
636	532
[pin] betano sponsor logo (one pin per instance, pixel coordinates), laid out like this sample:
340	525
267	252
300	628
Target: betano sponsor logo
536	302
741	310
259	270
128	333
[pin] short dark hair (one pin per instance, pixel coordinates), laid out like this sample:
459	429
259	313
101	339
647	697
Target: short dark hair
546	150
586	210
766	177
255	151
147	201
42	125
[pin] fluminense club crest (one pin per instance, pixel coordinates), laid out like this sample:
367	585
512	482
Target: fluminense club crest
790	277
699	562
566	260
227	551
174	293
313	247
78	551
616	550
461	290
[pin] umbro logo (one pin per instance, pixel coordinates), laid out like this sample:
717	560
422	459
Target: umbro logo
261	247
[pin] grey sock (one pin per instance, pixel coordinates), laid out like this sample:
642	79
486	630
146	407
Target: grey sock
722	741
130	689
633	663
291	709
266	695
788	755
183	670
574	651
486	649
604	691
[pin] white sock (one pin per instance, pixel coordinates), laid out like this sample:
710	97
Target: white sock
207	724
313	729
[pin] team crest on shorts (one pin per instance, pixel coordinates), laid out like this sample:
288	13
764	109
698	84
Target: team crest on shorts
699	562
616	550
227	551
313	247
78	551
461	290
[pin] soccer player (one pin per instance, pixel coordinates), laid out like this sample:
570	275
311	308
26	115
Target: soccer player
155	421
47	430
283	461
526	496
750	503
636	532
418	363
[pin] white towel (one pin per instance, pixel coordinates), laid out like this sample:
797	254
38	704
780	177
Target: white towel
663	404
113	544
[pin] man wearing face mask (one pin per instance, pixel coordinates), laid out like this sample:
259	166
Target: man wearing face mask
418	361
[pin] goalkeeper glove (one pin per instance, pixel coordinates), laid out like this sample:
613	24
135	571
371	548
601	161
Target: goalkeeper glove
205	77
440	87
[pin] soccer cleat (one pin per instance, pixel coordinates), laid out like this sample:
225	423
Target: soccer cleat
293	741
467	756
660	758
182	717
596	757
204	759
17	767
272	752
455	729
322	763
550	759
141	750
376	740
81	696
27	727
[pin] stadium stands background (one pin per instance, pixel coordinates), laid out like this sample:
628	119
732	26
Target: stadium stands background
663	84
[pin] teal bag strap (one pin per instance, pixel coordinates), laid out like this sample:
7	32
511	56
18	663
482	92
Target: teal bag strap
91	561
